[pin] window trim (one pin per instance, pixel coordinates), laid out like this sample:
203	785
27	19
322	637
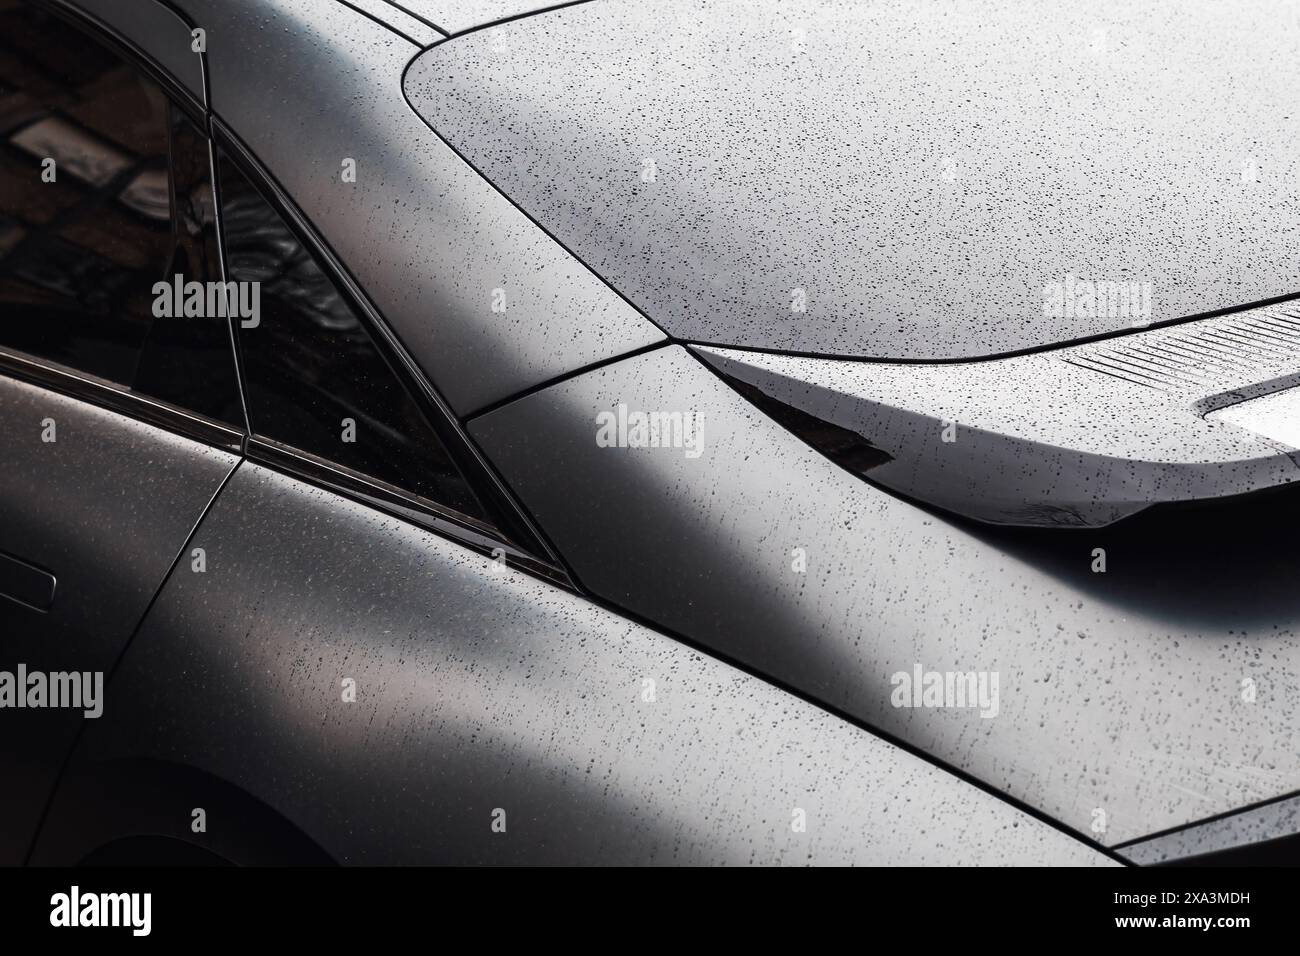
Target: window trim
109	395
401	504
521	542
138	57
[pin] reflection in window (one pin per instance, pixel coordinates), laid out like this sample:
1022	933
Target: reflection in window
313	378
89	148
190	361
76	285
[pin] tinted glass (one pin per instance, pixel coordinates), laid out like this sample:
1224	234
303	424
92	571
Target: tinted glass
313	377
188	359
90	150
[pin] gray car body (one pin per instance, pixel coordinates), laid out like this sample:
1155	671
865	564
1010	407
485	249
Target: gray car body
484	695
482	690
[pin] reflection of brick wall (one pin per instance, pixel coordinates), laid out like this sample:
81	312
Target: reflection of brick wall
79	256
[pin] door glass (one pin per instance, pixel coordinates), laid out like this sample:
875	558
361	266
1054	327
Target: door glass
91	152
186	359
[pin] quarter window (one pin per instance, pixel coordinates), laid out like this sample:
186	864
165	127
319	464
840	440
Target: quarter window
314	379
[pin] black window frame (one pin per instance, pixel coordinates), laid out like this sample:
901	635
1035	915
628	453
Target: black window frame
511	535
510	532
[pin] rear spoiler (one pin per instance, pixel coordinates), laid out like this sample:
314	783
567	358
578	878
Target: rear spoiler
1081	436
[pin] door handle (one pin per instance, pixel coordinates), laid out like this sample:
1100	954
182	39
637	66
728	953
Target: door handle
26	583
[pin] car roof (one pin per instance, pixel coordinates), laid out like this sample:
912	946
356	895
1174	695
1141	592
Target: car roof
893	180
